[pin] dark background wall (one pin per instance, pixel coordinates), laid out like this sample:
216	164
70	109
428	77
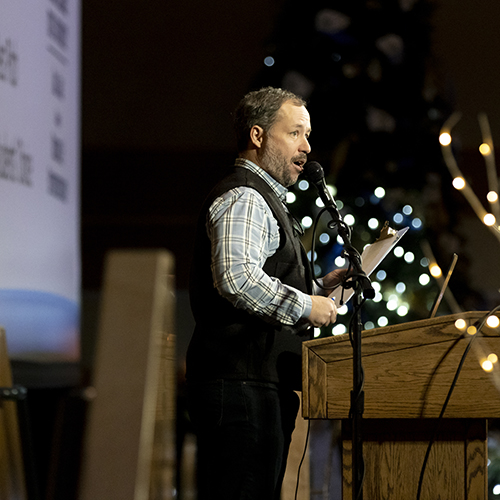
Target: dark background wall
159	82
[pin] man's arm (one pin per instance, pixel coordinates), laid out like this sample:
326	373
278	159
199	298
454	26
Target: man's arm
244	233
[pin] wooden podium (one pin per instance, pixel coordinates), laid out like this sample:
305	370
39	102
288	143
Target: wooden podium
408	371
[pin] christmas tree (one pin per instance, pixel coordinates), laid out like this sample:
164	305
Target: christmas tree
365	69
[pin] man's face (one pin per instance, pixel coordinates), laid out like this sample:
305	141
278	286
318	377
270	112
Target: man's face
285	148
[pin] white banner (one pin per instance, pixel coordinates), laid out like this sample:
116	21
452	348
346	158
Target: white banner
39	177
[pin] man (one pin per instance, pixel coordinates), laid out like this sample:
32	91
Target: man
253	303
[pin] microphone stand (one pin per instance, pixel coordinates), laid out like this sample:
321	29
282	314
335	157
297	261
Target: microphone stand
362	290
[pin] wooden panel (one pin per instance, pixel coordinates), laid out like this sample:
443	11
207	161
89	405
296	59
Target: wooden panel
409	369
394	452
12	478
314	391
134	380
400	384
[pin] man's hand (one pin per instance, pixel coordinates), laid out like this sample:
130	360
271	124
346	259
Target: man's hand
333	278
323	312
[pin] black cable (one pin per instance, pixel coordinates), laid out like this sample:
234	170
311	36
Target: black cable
302	459
479	325
313	251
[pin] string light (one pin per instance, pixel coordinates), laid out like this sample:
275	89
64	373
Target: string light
324	238
349	219
458	183
379	192
489	219
435	271
484	149
382	321
307	222
424	279
460	324
339	329
493	321
409	257
472	330
373	223
445	139
487	365
340	261
399	251
290	197
416	223
343	310
402	310
492	196
398	218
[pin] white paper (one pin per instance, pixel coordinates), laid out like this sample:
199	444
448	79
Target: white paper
371	257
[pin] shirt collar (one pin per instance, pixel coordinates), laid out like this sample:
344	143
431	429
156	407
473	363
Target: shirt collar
279	189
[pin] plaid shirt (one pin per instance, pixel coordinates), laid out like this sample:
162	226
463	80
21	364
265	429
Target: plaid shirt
244	234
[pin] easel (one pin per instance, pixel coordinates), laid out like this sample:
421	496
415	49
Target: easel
12	477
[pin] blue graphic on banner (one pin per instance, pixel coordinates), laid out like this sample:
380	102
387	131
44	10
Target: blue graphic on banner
39	322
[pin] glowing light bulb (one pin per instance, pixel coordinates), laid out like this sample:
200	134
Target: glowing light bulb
402	310
339	329
379	192
349	219
492	196
303	185
290	197
269	61
409	257
459	183
399	251
489	219
487	365
424	279
484	149
340	261
382	321
460	324
324	238
373	223
493	321
342	310
472	330
445	139
493	358
307	221
435	271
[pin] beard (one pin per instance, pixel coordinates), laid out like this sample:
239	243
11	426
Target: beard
279	167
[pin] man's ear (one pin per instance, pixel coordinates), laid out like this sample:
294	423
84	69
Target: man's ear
257	136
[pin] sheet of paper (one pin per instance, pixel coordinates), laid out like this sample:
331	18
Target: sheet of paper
371	257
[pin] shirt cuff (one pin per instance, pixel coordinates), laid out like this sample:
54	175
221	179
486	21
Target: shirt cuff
307	306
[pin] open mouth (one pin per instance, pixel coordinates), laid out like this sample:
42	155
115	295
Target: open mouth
300	163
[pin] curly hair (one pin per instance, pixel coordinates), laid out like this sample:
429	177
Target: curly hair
260	107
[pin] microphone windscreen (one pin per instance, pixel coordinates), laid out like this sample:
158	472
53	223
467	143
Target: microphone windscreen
314	171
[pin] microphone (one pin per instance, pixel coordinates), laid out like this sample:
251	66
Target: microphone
314	172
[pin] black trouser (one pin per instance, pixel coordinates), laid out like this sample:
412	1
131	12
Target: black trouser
244	431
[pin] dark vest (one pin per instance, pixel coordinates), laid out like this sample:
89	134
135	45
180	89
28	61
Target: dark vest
229	342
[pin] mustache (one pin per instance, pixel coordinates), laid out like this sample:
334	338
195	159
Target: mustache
301	157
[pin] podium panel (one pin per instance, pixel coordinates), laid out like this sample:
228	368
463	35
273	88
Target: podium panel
408	372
